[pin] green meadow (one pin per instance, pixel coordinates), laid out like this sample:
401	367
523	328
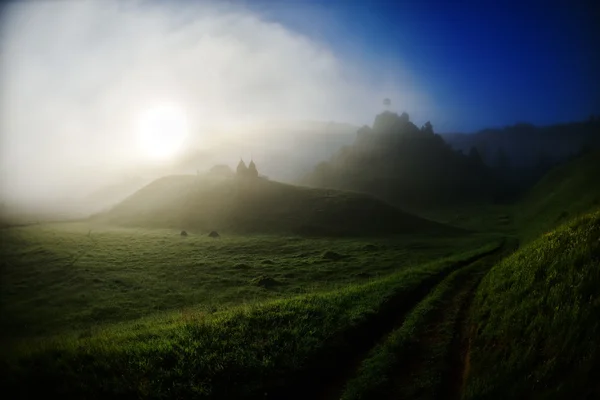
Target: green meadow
502	303
66	276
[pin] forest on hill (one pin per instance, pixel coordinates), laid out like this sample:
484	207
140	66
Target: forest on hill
522	153
407	166
417	168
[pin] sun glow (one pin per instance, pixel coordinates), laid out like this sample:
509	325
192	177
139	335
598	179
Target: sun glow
162	131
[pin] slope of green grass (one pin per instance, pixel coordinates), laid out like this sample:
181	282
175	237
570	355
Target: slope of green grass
241	352
536	319
565	192
413	360
261	206
483	217
78	275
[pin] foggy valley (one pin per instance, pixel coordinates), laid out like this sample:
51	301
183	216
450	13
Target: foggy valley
249	199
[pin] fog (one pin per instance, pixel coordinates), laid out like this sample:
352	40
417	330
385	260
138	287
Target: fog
75	76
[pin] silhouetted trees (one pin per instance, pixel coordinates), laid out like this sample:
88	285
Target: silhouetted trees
241	168
501	160
252	172
247	172
427	128
475	157
521	143
403	164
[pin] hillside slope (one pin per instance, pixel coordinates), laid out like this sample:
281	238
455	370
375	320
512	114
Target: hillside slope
564	192
535	319
526	145
407	166
261	206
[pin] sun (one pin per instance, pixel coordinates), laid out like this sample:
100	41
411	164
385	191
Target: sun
162	131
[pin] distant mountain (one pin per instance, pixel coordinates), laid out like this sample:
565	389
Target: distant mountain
405	165
204	203
524	152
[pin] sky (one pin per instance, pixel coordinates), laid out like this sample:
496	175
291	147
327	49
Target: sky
79	78
480	63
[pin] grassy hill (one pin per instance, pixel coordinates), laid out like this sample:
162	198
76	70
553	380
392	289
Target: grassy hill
290	348
407	166
535	323
77	275
199	203
534	319
565	192
90	310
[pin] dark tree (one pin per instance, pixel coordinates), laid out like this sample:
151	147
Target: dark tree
396	161
427	128
252	171
404	118
474	156
501	160
241	168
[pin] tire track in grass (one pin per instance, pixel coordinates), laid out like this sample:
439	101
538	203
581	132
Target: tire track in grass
427	370
453	383
325	378
413	361
459	356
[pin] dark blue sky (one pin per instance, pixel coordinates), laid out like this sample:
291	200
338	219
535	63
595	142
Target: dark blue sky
480	64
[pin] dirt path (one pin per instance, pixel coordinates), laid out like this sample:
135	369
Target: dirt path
453	384
433	368
328	383
437	365
433	365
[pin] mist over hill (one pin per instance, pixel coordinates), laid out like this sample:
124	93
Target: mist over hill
255	205
393	159
406	165
286	150
252	199
522	153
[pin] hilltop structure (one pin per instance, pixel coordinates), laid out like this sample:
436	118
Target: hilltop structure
252	171
243	171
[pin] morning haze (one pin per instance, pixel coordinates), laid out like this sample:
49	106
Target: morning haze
77	77
299	200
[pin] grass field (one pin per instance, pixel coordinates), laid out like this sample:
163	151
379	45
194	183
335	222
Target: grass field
564	193
240	352
58	277
90	310
535	319
416	360
567	191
